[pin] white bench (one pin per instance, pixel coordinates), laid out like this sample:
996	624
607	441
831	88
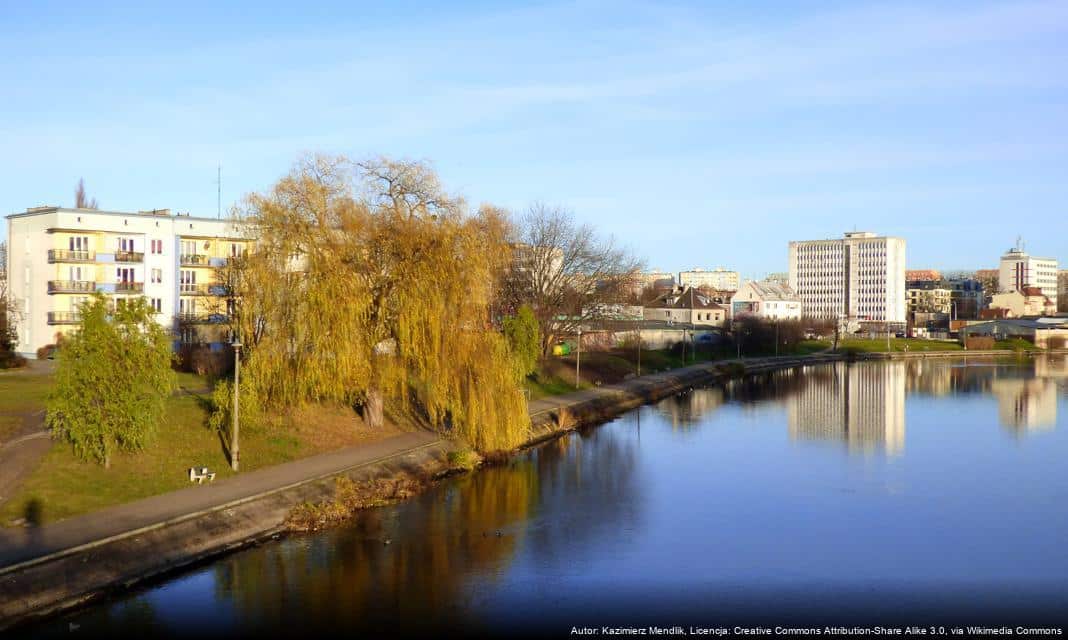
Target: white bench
200	475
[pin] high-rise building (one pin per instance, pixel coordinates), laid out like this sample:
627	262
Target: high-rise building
719	278
58	257
859	277
1018	270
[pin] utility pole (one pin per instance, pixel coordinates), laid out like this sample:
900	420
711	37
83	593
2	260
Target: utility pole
234	448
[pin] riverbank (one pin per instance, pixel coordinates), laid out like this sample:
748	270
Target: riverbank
56	567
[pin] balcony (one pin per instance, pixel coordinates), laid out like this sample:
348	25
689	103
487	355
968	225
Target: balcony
63	255
129	287
64	317
205	289
71	286
193	260
129	256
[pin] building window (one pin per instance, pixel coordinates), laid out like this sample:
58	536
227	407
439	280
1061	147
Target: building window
157	304
157	276
157	247
126	244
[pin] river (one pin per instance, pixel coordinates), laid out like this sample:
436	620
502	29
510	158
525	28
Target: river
915	492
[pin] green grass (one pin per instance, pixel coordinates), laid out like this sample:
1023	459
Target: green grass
864	345
64	485
1016	344
20	393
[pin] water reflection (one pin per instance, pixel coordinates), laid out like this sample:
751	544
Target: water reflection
858	404
863	404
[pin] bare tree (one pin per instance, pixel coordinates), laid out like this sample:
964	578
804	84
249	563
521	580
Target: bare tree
565	272
82	201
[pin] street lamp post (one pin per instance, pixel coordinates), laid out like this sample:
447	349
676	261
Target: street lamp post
578	357
639	350
234	449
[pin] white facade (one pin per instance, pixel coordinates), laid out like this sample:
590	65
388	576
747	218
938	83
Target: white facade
769	300
859	277
718	278
1019	270
58	257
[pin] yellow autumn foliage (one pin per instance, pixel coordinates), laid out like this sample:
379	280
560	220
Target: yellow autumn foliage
366	280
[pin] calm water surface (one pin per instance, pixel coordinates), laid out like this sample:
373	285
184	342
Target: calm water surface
870	492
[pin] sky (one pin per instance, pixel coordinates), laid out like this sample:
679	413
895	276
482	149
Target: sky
697	134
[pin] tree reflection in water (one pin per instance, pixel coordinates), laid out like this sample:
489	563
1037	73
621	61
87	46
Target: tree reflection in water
412	562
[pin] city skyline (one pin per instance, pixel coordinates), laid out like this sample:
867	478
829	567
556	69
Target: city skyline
678	129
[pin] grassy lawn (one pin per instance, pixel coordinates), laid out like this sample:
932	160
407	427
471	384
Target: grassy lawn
64	486
864	345
21	392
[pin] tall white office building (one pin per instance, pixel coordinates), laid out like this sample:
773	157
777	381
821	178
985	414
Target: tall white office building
860	277
1019	270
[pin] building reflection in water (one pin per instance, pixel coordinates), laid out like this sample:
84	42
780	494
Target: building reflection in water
862	405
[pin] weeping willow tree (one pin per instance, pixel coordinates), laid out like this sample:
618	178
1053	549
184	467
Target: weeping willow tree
369	284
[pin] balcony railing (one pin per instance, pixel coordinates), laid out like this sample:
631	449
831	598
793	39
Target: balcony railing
129	256
202	318
71	286
64	317
193	260
63	255
129	287
203	289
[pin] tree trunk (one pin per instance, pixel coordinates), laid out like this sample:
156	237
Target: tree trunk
373	410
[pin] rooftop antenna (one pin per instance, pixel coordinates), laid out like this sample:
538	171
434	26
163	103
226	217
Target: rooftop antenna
218	201
1019	244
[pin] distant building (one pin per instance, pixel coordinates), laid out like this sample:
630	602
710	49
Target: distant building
1042	334
718	278
1030	301
656	280
1019	270
929	300
766	300
858	277
1062	290
922	275
689	307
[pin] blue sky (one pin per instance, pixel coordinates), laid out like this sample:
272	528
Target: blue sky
699	134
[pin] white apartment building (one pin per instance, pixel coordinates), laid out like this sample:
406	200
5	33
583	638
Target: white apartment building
719	278
859	277
1019	270
57	257
768	300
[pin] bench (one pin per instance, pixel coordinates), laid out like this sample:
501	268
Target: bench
200	475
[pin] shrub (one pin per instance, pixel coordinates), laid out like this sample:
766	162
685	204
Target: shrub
978	343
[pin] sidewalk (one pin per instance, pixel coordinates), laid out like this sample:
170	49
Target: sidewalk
21	545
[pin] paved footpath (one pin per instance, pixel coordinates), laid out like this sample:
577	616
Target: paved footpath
18	546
